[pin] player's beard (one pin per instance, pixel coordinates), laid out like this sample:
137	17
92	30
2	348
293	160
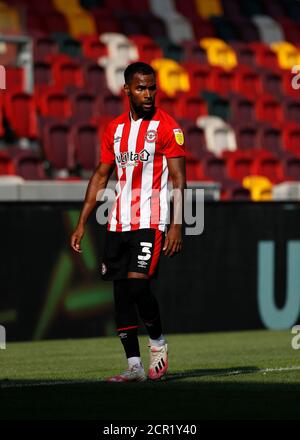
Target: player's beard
141	111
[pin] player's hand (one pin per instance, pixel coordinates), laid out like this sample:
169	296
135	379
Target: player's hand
173	242
76	238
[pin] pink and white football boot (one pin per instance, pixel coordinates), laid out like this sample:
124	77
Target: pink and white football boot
158	362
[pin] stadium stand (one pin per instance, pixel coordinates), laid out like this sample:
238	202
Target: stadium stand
224	70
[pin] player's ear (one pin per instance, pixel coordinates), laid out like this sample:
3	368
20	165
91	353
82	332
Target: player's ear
126	89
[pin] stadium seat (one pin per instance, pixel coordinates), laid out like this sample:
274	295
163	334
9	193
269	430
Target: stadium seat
238	164
291	168
217	106
179	29
219	135
170	49
225	29
247	82
260	187
105	21
291	109
247	30
20	110
219	53
55	22
247	136
15	79
199	77
269	109
114	72
55	104
94	77
67	44
67	6
270	168
86	141
109	104
6	164
291	138
83	106
81	23
291	29
119	48
58	146
207	9
92	47
195	141
190	107
29	165
188	9
288	54
147	48
242	110
43	46
9	20
42	75
67	74
245	54
193	169
238	193
264	56
193	53
221	81
172	77
167	103
270	30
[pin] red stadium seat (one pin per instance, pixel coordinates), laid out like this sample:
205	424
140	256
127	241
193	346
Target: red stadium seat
83	106
199	77
92	47
265	56
105	21
247	82
269	167
147	48
193	53
58	146
55	104
7	167
166	102
21	112
242	111
221	81
291	168
190	107
67	74
29	165
15	79
269	109
42	75
291	138
247	136
195	141
193	169
43	46
87	146
238	164
94	78
108	104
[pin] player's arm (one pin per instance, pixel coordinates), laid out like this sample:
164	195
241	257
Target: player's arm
173	242
97	182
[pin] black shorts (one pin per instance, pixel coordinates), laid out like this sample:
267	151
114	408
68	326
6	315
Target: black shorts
132	251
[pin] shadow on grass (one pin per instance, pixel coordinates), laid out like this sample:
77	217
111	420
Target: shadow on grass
216	397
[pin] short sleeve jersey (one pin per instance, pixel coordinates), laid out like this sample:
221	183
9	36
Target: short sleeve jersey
140	150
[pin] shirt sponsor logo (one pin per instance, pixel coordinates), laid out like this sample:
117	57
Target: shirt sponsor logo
117	139
151	136
129	158
179	138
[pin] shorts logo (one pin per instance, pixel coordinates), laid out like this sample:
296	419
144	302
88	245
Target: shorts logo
151	136
103	269
179	138
145	250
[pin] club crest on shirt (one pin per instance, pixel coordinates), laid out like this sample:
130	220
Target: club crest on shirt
151	136
179	138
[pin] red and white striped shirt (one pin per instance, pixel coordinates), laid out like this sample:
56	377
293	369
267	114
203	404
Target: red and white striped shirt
139	149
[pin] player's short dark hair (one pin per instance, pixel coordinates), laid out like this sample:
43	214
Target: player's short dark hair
138	67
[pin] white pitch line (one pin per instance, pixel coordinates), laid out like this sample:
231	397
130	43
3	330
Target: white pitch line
50	382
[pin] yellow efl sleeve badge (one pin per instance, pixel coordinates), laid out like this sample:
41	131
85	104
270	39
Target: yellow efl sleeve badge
179	138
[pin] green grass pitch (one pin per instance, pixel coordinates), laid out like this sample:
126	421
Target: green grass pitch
236	375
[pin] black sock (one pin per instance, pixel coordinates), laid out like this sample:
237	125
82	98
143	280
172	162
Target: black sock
147	305
126	318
